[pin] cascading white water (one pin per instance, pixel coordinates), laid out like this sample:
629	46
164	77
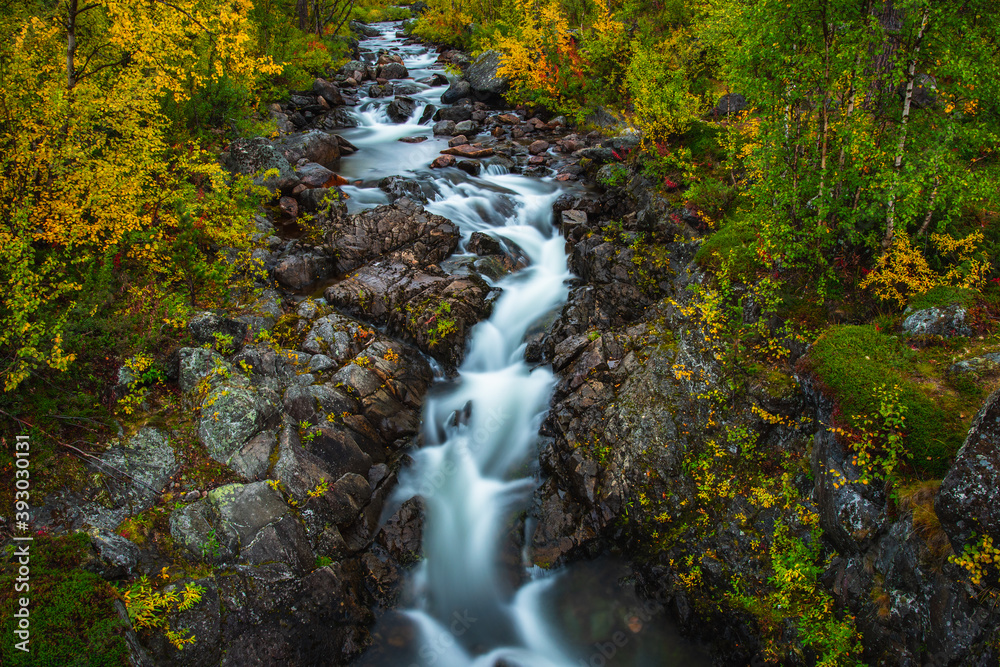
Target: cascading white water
481	428
481	432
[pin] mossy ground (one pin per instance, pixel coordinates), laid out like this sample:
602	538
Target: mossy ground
852	362
73	617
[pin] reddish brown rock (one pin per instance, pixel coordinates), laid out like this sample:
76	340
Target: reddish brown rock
460	140
442	161
539	146
289	206
470	151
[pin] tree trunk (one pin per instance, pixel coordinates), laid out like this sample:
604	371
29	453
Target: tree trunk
302	9
890	221
71	10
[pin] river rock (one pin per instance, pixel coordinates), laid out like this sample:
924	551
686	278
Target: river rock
456	114
364	29
314	175
538	146
328	92
355	69
315	146
393	70
398	186
466	127
469	151
401	109
403	231
446	127
471	167
457	141
969	500
443	161
456	91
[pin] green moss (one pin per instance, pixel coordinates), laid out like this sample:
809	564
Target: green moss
853	361
72	614
942	295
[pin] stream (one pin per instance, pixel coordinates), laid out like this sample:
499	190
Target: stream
473	600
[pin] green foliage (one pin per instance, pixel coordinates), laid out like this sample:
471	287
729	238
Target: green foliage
733	244
73	617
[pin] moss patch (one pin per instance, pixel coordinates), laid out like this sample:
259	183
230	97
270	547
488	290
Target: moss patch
73	618
942	295
853	361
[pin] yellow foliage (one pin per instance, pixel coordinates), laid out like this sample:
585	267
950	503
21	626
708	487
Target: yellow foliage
902	271
84	151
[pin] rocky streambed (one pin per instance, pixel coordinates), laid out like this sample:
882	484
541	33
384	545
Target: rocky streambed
449	296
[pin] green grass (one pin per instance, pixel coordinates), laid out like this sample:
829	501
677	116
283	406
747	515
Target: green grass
72	614
853	361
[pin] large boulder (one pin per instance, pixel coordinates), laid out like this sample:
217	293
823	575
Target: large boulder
230	416
397	187
393	71
138	469
403	231
243	523
944	321
969	500
364	29
209	328
256	157
456	114
315	146
355	69
730	103
328	92
298	270
482	76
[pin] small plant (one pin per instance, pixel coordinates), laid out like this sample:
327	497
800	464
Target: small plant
211	546
323	561
224	343
148	609
879	442
321	488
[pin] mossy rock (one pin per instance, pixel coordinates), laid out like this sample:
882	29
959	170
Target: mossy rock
853	362
73	619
